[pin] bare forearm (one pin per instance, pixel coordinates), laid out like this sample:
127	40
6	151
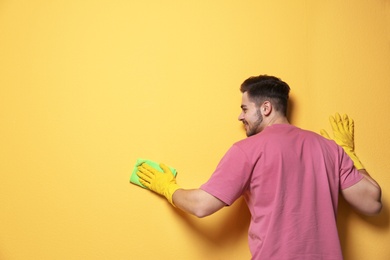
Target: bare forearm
369	178
376	191
365	195
196	202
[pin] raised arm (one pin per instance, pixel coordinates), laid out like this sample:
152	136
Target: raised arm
364	196
194	201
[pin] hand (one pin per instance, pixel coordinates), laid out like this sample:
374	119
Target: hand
343	131
163	183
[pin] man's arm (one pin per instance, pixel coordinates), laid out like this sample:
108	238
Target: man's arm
197	202
364	196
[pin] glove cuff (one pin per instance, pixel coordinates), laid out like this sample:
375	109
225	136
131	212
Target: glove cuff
356	162
169	192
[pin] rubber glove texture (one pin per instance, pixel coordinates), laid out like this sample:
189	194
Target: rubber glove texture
163	183
343	135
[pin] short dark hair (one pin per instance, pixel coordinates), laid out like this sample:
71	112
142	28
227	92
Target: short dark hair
264	87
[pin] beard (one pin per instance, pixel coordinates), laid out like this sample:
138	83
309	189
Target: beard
255	127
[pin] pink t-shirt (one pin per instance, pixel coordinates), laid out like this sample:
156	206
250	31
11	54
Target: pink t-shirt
290	179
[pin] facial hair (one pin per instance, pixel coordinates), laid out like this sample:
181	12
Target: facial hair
254	129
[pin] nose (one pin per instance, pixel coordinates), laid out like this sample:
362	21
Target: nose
241	116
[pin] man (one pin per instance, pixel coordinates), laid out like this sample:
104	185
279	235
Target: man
290	178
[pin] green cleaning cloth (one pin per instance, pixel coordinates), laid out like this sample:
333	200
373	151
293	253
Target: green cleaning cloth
134	177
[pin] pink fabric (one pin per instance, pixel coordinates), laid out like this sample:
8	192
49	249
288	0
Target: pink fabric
291	180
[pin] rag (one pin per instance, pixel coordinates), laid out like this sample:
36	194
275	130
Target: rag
134	177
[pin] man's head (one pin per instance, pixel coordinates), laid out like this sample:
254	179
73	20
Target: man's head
264	102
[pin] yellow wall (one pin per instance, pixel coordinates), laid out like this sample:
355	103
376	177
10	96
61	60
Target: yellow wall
87	87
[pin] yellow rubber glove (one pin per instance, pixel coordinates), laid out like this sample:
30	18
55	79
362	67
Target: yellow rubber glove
163	183
343	131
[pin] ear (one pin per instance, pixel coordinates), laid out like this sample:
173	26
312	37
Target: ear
266	108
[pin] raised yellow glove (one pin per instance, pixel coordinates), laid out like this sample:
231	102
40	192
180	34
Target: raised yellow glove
343	131
163	183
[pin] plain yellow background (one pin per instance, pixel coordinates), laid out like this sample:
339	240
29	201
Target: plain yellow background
87	87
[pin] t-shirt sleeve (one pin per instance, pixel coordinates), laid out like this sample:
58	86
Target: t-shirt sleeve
231	177
349	175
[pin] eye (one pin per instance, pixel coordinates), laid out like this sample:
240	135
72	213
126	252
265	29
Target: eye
244	109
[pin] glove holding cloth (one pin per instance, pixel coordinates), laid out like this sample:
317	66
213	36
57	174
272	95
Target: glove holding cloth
163	183
343	131
134	177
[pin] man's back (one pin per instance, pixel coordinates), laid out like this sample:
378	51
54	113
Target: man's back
291	180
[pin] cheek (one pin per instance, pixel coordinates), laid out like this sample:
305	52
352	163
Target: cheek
251	118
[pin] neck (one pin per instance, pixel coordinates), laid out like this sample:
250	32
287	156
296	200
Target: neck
277	119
